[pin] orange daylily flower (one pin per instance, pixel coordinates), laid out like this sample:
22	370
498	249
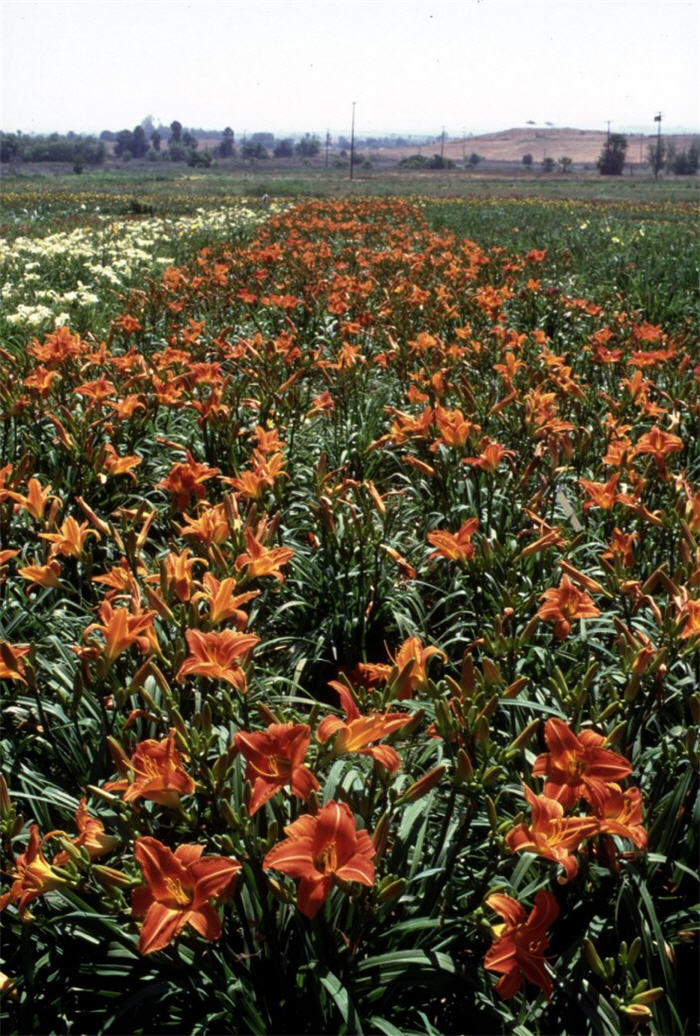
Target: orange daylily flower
454	546
564	603
115	465
178	573
620	813
179	887
520	944
275	757
70	539
492	453
33	875
43	575
218	656
621	549
411	661
358	732
210	526
154	772
259	560
550	834
658	444
120	578
577	765
11	664
223	603
91	836
320	850
454	428
600	494
185	480
35	500
121	628
690	619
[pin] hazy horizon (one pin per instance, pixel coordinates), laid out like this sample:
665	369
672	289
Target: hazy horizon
294	66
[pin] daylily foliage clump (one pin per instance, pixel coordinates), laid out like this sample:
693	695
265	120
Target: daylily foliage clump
350	595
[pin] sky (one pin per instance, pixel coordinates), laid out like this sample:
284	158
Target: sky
294	66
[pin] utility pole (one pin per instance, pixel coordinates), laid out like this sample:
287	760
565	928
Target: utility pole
352	140
328	144
657	163
608	133
442	144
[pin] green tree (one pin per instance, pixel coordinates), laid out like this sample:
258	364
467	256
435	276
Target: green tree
124	142
611	160
176	132
565	164
226	148
656	155
139	144
527	160
284	148
156	140
309	146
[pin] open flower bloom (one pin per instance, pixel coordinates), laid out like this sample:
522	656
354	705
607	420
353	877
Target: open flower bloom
359	732
12	661
259	560
320	850
551	834
70	539
155	773
454	546
121	628
91	836
620	813
411	661
185	480
36	499
33	875
519	944
576	765
218	655
222	602
275	757
564	603
178	888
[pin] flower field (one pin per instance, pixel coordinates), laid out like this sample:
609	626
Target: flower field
350	619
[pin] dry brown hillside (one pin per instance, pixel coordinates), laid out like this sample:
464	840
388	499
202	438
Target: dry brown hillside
581	146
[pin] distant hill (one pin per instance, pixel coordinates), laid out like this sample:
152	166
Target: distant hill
581	146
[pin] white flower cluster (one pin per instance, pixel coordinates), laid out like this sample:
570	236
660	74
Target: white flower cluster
47	281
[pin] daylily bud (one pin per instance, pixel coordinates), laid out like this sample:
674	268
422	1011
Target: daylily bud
528	631
464	771
636	1011
492	671
423	785
649	996
491	812
110	877
694	706
489	708
524	737
5	802
391	892
594	961
515	687
7	987
491	776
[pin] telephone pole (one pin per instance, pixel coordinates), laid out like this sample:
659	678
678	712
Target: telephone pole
352	140
657	163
